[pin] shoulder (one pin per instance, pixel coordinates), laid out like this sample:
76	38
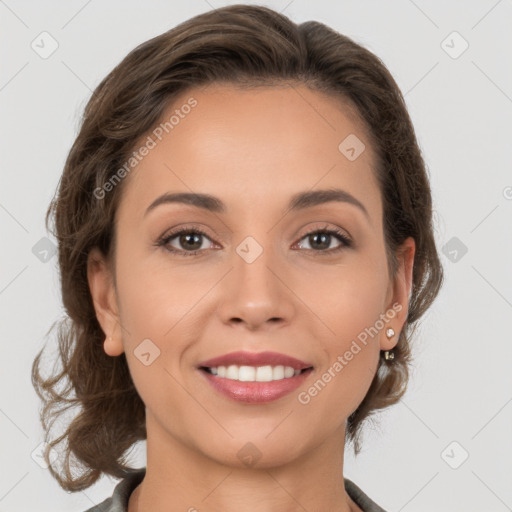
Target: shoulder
360	498
118	502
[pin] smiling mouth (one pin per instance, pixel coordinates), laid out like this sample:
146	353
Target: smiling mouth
244	373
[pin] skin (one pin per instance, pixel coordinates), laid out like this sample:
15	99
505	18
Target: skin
253	149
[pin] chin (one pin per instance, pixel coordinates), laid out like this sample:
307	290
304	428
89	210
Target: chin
256	452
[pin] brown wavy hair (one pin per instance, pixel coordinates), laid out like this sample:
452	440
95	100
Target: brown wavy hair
242	45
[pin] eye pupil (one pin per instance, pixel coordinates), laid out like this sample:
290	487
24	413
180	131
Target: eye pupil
185	240
323	237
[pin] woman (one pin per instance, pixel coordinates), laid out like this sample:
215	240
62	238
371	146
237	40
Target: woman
245	245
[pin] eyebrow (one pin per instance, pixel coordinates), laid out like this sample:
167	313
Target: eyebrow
299	201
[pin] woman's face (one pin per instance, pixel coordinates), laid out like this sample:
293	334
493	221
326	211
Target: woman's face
266	275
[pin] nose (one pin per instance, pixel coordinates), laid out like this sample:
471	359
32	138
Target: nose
255	294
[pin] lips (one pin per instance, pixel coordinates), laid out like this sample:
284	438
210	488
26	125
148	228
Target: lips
255	377
243	358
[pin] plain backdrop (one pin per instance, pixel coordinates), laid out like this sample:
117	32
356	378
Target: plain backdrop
448	445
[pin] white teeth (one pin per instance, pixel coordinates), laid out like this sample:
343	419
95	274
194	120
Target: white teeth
245	373
288	372
232	372
254	373
263	374
278	372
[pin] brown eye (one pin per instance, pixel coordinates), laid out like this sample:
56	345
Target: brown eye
191	241
186	242
320	241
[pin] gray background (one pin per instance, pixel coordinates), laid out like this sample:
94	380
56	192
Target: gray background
460	389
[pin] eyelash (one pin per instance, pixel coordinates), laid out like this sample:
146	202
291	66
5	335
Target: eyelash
164	241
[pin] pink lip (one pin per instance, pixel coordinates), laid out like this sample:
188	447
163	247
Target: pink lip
255	392
243	358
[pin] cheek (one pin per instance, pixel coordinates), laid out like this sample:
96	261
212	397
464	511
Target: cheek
154	292
346	298
350	303
358	306
351	350
162	302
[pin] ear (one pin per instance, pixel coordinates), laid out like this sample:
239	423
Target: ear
103	293
399	292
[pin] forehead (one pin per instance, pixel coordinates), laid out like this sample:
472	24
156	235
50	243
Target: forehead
254	147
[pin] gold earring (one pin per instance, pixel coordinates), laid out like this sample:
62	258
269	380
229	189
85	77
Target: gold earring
389	355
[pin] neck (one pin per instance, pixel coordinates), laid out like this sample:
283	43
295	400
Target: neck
182	479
